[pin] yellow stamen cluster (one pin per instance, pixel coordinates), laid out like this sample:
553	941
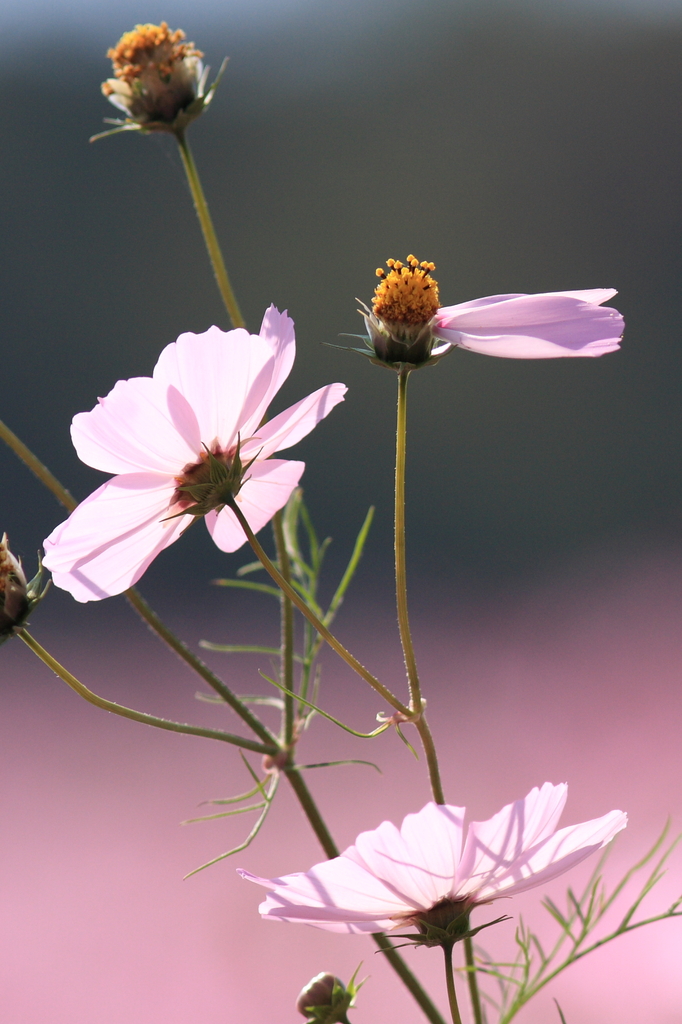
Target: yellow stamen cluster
408	293
148	48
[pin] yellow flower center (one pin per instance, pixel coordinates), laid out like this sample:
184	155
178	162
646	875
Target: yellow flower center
149	48
407	294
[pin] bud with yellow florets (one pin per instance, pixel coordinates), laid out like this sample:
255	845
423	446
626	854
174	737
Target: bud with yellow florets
400	323
159	81
17	597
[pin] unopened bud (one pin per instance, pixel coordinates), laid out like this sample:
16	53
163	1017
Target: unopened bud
17	597
325	999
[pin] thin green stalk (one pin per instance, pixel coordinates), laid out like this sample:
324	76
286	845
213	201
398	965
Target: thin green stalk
210	237
286	631
450	981
137	716
400	569
335	644
157	626
382	941
37	467
474	994
416	702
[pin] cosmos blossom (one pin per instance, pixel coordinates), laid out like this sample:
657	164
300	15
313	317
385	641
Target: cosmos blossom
392	878
407	326
184	441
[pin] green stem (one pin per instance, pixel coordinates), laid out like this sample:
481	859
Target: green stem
210	237
286	631
149	616
37	467
416	701
331	850
335	644
137	716
474	994
450	981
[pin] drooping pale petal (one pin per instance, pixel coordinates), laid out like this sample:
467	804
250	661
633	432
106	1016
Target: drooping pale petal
138	426
542	326
112	537
294	423
267	489
554	855
224	375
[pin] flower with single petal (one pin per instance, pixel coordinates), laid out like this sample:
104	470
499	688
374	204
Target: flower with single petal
406	326
184	443
426	875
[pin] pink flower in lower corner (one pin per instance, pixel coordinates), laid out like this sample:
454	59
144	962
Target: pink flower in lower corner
208	393
392	878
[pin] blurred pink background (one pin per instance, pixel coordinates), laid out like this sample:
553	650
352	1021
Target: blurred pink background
571	679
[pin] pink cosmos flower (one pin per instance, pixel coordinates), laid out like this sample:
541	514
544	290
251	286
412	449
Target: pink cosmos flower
393	877
407	326
208	394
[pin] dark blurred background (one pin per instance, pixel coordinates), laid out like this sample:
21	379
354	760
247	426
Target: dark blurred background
523	148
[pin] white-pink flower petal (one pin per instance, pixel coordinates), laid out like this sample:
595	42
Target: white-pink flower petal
287	429
544	326
139	426
112	537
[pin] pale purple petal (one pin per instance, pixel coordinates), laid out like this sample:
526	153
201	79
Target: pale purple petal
224	376
419	862
290	426
112	537
541	326
493	846
277	329
137	427
267	489
555	854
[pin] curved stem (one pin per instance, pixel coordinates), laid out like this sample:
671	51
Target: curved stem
286	631
382	941
450	981
335	644
149	616
210	237
36	466
416	701
474	994
137	716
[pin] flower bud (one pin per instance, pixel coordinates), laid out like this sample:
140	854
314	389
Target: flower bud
17	597
159	80
325	999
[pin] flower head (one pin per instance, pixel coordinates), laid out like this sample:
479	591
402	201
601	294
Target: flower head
159	80
407	328
17	597
184	443
425	875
